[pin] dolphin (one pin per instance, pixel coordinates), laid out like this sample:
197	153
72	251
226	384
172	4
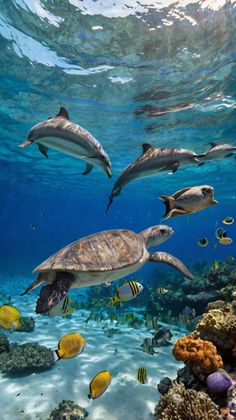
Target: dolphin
61	134
217	152
151	162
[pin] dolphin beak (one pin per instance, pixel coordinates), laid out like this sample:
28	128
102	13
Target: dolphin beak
24	144
108	171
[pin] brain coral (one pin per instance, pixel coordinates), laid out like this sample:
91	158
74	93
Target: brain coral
219	326
186	404
199	354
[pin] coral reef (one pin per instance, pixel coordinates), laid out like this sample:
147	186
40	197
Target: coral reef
199	354
68	410
219	326
4	343
27	324
219	382
180	403
26	358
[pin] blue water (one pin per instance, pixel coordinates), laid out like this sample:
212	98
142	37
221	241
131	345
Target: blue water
106	62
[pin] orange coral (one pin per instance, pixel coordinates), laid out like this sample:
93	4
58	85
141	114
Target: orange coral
199	354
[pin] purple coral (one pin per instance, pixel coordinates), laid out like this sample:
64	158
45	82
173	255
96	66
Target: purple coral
219	382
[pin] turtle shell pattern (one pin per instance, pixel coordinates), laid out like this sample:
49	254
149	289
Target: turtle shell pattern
104	251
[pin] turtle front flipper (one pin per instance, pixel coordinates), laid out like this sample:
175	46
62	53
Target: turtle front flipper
52	294
163	257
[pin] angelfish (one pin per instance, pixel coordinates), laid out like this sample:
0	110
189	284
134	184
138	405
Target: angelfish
151	162
61	134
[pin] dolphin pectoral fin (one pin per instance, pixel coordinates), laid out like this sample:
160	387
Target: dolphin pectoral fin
63	113
88	169
163	257
229	155
25	143
202	163
44	150
172	167
195	160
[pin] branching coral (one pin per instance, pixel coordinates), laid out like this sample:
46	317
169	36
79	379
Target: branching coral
219	326
180	403
199	354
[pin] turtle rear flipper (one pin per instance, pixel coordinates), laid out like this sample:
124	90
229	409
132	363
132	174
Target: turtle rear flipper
52	294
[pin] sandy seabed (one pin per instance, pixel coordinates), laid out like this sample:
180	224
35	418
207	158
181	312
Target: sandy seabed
35	395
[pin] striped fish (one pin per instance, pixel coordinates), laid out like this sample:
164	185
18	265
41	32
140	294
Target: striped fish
63	308
142	375
161	291
126	292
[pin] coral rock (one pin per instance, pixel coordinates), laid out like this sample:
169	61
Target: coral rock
27	324
199	354
27	358
219	326
68	410
4	343
186	404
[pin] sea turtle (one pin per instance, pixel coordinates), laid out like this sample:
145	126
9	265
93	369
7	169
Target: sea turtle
100	258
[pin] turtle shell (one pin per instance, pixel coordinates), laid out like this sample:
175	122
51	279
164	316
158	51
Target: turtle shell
104	251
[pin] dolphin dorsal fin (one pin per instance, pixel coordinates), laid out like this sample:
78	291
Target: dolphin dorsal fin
146	147
212	144
63	113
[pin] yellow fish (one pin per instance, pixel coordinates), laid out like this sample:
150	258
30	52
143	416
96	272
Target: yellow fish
220	233
228	221
203	242
142	375
70	345
10	318
99	384
225	241
161	291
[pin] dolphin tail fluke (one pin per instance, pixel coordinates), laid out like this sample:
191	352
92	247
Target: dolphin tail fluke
109	204
88	169
24	144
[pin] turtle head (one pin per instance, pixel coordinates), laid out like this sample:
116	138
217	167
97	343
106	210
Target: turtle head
155	235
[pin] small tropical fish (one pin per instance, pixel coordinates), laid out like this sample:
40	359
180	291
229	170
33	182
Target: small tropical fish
203	242
10	318
228	221
99	384
127	291
64	308
188	200
152	323
142	375
220	233
215	266
148	345
226	241
230	259
70	345
161	291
